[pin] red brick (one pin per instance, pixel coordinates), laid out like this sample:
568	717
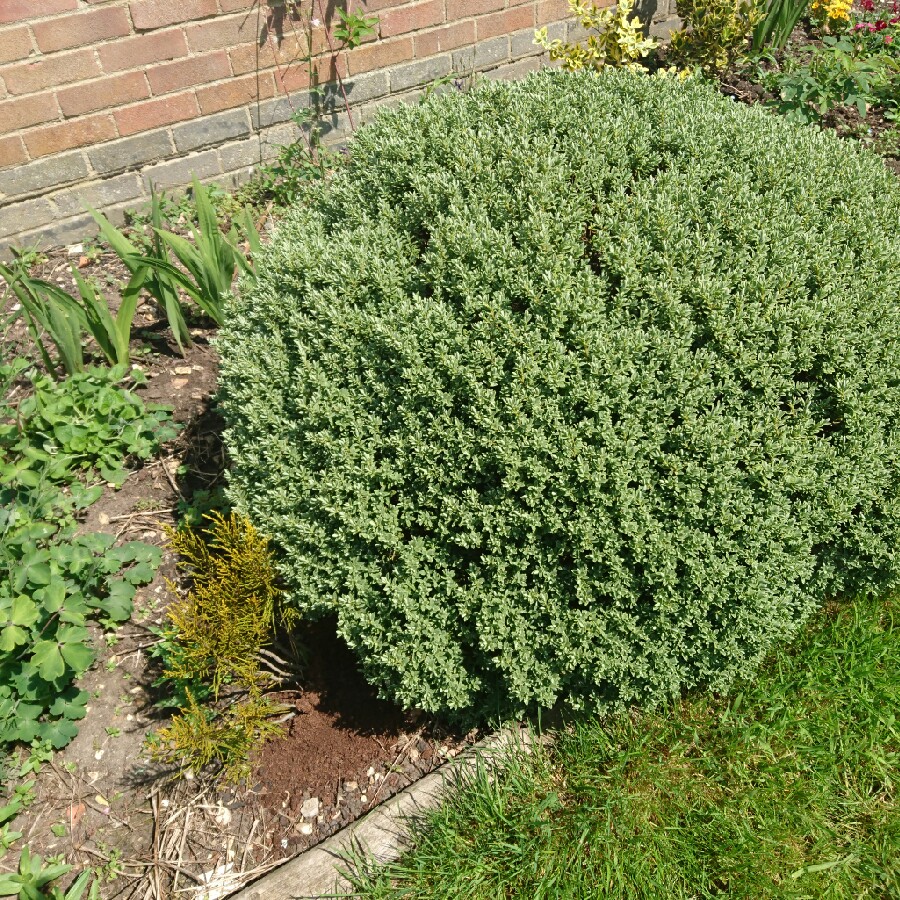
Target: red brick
78	133
189	72
150	14
25	10
553	11
235	92
15	43
372	6
447	38
218	33
505	22
154	113
412	17
104	93
26	78
380	55
244	58
136	52
12	151
81	29
463	9
27	111
296	78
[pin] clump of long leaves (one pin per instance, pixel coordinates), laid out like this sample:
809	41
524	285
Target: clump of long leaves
54	318
208	262
779	19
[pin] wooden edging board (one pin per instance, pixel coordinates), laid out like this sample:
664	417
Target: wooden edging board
380	836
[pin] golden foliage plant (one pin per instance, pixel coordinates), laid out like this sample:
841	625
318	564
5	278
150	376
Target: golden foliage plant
215	634
228	614
619	40
199	736
715	32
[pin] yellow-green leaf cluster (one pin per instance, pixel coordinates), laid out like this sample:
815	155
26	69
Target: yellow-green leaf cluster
226	617
198	736
216	631
619	40
715	32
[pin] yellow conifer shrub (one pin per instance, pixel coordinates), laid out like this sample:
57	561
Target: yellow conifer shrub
217	629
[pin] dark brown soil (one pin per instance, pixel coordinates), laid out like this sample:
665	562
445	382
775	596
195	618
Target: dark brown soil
344	747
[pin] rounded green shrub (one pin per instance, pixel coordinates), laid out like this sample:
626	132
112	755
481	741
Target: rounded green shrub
583	388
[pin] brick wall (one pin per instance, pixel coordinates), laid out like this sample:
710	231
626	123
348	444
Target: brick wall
99	98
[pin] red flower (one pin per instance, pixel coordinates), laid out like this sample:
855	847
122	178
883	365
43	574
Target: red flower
869	5
888	38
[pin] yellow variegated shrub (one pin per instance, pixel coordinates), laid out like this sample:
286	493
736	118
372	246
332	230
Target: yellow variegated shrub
619	39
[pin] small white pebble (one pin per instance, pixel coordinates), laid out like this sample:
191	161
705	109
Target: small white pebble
371	771
165	804
305	828
284	843
363	798
98	755
351	785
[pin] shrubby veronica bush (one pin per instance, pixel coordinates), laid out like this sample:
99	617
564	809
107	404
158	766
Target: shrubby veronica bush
585	387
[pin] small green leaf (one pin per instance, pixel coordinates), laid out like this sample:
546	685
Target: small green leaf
48	659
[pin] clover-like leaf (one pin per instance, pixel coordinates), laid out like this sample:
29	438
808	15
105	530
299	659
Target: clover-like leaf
79	656
48	659
12	636
24	611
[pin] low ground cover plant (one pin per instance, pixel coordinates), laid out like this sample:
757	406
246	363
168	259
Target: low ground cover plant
53	579
787	789
582	388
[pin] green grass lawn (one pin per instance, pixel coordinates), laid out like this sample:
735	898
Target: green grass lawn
788	788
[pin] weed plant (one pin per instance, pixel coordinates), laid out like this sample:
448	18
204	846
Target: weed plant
53	579
787	789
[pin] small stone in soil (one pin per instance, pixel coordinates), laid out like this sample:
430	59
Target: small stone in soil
351	785
363	798
310	808
371	771
182	370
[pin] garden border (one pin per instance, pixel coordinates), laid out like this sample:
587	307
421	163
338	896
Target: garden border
381	835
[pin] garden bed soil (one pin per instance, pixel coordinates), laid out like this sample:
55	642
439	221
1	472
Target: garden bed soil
102	801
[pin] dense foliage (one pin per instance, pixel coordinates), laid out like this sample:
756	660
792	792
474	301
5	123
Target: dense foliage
583	387
55	580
